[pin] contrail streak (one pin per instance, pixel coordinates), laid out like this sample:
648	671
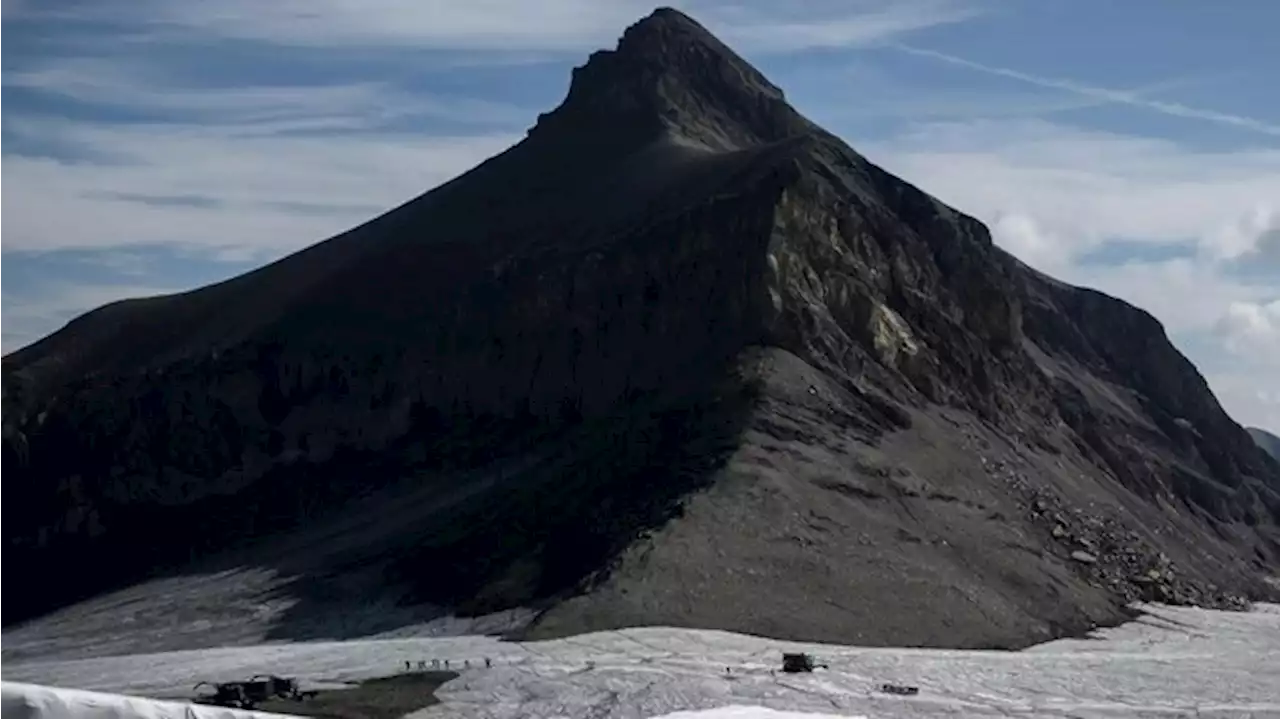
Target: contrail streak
1122	97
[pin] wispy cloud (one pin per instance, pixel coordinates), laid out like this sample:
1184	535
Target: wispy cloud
883	93
253	157
512	25
149	90
786	27
200	186
1122	97
1085	187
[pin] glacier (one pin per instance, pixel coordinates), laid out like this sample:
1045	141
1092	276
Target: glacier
1170	662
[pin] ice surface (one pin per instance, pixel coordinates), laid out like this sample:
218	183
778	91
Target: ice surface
1172	662
742	712
27	701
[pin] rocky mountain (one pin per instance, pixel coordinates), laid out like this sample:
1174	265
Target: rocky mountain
678	357
1266	440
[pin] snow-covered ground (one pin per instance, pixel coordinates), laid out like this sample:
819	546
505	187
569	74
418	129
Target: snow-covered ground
27	701
1173	662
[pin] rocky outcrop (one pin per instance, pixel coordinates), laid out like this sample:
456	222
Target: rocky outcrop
677	321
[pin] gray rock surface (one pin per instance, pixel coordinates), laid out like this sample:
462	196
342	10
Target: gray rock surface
679	357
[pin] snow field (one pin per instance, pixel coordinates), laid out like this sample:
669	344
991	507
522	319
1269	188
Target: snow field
1172	662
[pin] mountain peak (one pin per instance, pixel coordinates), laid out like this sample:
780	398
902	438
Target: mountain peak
664	29
668	75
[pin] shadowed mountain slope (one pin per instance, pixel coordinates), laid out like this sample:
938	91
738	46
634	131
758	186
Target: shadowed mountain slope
678	357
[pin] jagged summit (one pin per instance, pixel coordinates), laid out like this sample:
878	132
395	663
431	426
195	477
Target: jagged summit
669	75
666	23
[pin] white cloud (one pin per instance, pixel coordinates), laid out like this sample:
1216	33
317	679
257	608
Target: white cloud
224	190
238	172
1028	241
433	24
1248	397
269	107
811	25
229	168
134	263
516	25
1254	236
1252	329
1084	187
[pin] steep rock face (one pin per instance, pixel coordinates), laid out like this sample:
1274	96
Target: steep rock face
731	374
873	277
1144	411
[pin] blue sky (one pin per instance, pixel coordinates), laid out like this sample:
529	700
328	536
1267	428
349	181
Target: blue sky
153	145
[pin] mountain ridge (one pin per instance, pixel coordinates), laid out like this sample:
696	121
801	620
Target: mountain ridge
679	357
1268	441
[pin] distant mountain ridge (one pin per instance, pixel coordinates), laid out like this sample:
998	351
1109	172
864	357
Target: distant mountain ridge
679	357
1266	440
